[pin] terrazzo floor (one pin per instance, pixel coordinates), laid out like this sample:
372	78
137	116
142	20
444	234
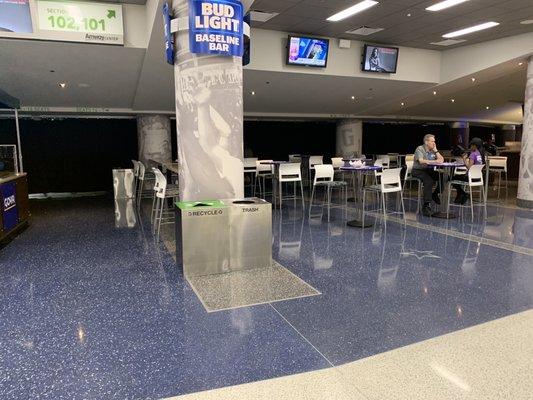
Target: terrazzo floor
91	309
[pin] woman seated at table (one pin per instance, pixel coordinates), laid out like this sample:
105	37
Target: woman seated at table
476	157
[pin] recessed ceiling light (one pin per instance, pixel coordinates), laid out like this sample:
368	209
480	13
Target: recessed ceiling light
434	93
473	79
520	63
402	104
409	14
253	93
453	100
62	85
445	4
355	9
527	22
471	29
488	108
353	97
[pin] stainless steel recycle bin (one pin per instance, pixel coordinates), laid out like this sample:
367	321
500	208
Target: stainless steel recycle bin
202	237
218	236
250	232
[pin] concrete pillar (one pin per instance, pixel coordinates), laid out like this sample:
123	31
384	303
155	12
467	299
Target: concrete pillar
349	137
153	135
525	177
209	118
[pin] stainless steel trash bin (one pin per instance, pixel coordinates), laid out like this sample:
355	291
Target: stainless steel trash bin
250	232
202	237
123	183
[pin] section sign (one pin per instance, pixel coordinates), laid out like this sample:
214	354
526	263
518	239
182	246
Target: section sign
82	21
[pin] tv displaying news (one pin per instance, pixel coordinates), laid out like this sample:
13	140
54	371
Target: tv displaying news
15	16
311	52
380	59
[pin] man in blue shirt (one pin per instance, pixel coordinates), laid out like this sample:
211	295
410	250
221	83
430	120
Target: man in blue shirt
426	156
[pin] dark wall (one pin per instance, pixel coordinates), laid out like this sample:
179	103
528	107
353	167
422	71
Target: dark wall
383	138
277	139
73	155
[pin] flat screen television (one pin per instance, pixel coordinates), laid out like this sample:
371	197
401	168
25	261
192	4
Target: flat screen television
380	59
15	16
307	51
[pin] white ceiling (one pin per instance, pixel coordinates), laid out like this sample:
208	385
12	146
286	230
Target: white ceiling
139	79
110	71
419	30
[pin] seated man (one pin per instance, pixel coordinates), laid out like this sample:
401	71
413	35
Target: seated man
424	155
476	157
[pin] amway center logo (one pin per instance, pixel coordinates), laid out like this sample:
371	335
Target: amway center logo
9	202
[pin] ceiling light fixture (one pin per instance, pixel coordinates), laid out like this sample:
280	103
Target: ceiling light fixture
488	108
520	63
409	14
353	97
445	4
453	100
473	79
355	9
62	85
434	93
471	29
402	104
253	93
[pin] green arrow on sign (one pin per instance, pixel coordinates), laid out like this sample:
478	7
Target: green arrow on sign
111	14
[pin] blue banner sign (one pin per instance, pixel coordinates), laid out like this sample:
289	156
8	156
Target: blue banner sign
216	27
11	215
169	38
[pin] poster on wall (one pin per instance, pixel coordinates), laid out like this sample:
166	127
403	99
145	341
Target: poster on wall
15	16
216	27
9	201
81	21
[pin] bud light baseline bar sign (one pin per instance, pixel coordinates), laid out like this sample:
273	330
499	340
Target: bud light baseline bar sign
11	215
216	27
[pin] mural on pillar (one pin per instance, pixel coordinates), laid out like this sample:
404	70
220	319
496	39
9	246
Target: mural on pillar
209	118
153	132
349	138
525	184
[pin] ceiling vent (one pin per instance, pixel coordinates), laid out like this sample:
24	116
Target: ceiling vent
262	16
364	31
448	42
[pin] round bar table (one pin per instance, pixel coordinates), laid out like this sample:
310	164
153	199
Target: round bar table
358	190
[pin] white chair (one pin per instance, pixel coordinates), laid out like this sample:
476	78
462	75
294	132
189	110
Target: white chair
324	177
409	178
135	177
475	180
394	160
498	165
384	161
161	194
290	172
337	162
250	169
390	182
314	160
295	158
262	174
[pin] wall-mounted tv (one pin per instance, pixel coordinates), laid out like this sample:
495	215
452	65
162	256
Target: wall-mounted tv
15	16
308	51
380	59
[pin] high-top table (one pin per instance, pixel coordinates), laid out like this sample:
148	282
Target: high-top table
276	165
448	169
358	190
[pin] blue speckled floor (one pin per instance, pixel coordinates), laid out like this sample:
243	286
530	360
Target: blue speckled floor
88	311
